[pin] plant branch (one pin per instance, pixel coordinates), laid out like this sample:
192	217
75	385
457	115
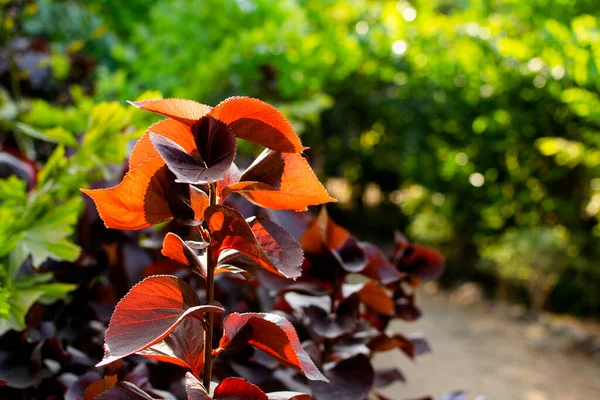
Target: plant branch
210	293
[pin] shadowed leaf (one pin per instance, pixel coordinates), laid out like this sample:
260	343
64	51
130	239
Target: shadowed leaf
148	313
387	377
334	325
184	346
194	388
378	267
230	230
350	379
124	391
281	248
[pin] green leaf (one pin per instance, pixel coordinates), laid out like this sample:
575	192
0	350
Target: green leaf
55	166
13	190
19	304
16	300
48	237
4	304
53	135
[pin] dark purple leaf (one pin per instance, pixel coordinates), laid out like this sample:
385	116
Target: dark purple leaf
350	379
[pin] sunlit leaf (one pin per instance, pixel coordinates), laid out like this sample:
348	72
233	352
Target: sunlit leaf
139	201
275	336
258	122
183	110
281	181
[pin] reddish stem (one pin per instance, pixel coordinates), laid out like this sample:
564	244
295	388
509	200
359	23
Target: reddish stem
210	293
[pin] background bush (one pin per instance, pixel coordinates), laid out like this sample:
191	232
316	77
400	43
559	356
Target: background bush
469	118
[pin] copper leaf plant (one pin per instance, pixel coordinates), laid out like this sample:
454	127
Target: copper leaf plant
183	169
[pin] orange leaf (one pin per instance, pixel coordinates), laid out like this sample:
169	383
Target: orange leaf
229	230
169	128
176	249
258	122
183	110
281	181
324	232
139	201
373	295
275	336
99	386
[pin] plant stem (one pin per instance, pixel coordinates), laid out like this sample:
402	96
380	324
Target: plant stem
334	290
210	293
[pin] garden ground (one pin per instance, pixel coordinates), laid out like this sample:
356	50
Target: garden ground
484	350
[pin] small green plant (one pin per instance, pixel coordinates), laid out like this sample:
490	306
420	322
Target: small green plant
40	208
533	257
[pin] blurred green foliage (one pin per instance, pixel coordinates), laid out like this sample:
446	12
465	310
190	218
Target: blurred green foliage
534	257
474	118
38	223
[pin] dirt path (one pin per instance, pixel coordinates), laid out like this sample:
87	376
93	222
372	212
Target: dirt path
486	353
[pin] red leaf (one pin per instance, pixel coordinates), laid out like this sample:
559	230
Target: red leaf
378	267
324	233
275	336
281	248
183	110
238	389
100	386
281	181
184	347
148	313
230	230
421	261
258	122
139	201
